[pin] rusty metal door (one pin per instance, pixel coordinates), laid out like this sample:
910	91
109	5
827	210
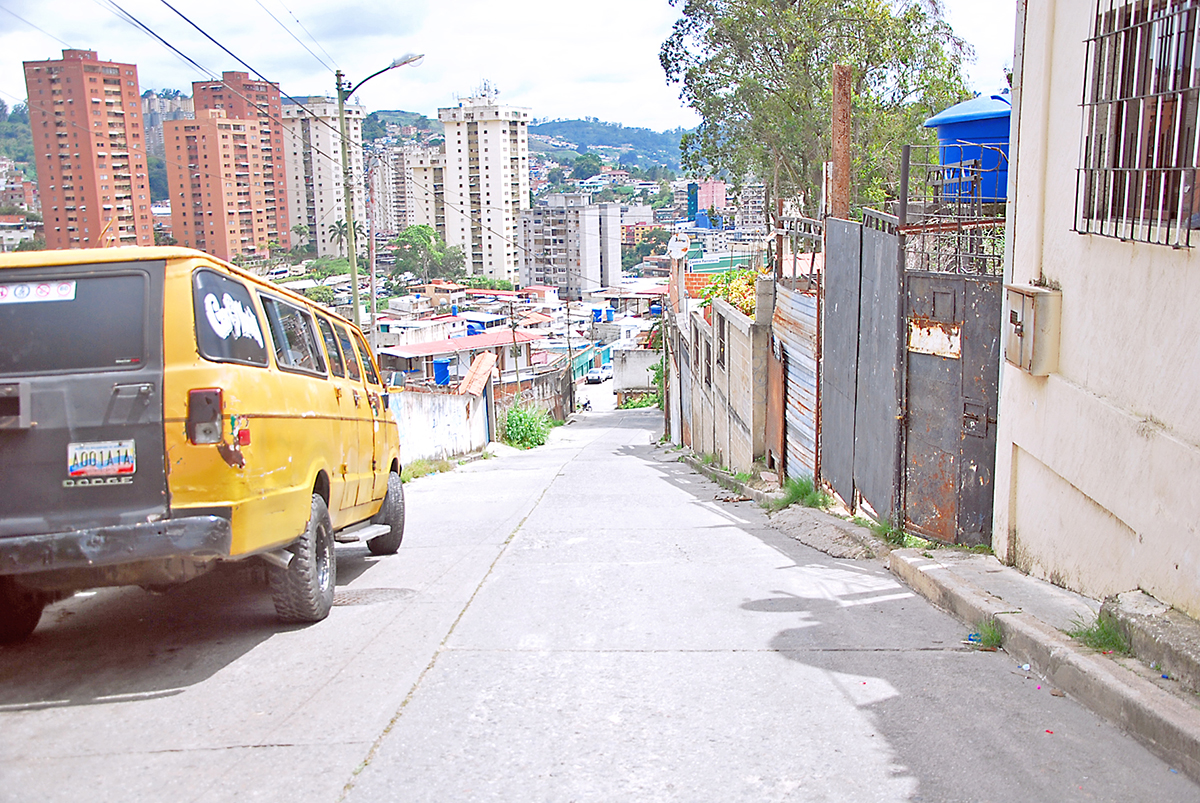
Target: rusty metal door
952	373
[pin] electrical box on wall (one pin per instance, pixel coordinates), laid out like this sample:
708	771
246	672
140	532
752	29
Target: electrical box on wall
1033	317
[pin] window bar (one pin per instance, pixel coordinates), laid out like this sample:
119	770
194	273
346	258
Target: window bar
1134	217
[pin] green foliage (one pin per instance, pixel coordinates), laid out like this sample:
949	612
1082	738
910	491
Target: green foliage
659	148
743	477
526	427
987	635
321	294
16	141
801	490
586	166
638	402
653	241
422	468
36	244
414	119
161	238
758	73
421	251
157	167
325	267
735	286
1100	635
373	127
485	283
889	531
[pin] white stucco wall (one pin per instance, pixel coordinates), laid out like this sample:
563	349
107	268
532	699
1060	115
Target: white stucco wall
434	426
1097	465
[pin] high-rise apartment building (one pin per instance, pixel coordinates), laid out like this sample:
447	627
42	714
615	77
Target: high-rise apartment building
485	183
244	98
157	109
313	160
411	195
214	166
89	147
571	244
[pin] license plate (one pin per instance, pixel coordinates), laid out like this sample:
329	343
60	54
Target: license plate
101	459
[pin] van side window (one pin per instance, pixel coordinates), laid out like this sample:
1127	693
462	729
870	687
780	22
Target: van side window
227	325
331	345
368	366
348	350
295	337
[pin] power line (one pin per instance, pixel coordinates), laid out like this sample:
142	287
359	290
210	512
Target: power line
310	36
36	28
289	33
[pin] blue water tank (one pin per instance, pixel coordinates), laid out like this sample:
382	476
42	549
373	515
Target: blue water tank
596	313
975	131
474	328
656	309
453	309
608	314
441	372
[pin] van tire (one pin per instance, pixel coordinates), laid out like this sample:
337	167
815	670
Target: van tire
303	592
392	514
20	610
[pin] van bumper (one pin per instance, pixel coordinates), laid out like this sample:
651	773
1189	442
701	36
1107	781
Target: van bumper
197	537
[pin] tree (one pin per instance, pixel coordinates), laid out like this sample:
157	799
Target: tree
338	232
373	127
556	176
586	166
321	294
421	251
156	166
36	244
758	73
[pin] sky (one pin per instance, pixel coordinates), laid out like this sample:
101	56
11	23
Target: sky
561	60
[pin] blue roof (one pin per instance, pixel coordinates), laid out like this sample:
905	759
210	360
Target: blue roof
983	107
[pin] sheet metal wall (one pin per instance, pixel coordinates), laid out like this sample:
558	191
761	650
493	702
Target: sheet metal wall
839	365
877	408
795	330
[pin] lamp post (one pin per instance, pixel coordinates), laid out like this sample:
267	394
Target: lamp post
344	90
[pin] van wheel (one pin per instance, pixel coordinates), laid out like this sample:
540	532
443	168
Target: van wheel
20	610
303	592
392	514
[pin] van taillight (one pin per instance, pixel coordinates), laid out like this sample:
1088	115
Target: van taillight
204	415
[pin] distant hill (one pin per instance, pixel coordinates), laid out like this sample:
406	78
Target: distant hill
415	119
653	146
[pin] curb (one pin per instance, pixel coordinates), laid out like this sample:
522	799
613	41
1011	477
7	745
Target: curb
1136	705
727	481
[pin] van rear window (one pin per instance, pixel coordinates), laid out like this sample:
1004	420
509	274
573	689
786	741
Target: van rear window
91	323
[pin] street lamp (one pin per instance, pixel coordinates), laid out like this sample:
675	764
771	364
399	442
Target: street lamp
344	90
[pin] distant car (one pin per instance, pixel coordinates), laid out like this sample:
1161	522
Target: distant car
595	376
606	371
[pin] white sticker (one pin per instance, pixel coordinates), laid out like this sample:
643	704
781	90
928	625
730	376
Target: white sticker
229	317
32	292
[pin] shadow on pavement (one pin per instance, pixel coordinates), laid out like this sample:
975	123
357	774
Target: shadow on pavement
126	643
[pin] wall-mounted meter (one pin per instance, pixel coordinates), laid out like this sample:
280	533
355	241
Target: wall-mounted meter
1032	319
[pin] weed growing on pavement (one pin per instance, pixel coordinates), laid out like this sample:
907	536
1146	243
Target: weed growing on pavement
743	477
708	459
1101	635
800	490
989	635
526	427
421	468
889	531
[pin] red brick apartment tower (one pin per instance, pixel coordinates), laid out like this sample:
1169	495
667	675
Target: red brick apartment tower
212	207
245	99
90	149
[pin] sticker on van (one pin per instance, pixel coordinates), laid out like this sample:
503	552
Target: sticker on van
101	459
30	292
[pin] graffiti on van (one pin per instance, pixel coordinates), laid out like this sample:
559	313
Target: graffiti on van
230	317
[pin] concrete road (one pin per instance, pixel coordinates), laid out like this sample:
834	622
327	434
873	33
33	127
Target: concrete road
581	622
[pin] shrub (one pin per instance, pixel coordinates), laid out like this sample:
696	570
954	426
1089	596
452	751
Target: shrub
801	490
525	427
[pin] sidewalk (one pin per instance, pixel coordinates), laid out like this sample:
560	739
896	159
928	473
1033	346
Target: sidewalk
1031	615
1155	699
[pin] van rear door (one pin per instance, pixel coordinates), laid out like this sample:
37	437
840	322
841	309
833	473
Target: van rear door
81	423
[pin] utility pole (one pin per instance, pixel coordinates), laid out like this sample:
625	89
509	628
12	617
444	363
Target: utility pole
512	324
840	192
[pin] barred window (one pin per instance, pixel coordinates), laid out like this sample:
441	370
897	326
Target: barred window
1137	172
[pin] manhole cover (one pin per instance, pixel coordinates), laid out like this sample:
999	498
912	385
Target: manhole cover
371	596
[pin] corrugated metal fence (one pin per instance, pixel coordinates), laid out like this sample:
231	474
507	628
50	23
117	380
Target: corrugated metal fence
794	328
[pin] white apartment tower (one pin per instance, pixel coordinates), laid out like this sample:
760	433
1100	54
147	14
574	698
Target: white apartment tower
571	244
313	160
485	183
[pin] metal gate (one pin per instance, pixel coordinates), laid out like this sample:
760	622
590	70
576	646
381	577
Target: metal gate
794	326
909	381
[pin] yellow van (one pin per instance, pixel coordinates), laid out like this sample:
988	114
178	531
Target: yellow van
163	412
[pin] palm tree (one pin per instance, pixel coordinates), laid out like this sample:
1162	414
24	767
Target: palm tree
337	233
